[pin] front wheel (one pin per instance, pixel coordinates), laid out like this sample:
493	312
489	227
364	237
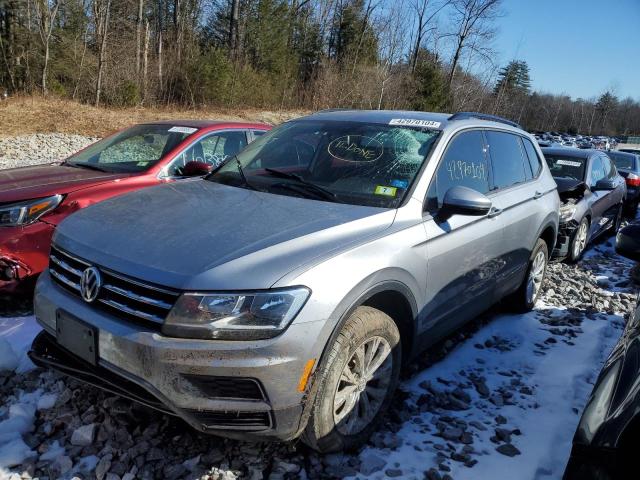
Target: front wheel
357	382
579	241
527	295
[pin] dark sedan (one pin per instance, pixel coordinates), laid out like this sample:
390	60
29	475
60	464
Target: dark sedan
592	195
628	165
605	443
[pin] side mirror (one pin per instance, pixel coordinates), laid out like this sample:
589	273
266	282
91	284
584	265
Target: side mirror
465	201
628	242
605	184
196	169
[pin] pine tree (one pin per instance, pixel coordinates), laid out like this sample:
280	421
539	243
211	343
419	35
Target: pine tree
431	90
513	79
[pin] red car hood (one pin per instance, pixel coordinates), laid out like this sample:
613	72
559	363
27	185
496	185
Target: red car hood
25	183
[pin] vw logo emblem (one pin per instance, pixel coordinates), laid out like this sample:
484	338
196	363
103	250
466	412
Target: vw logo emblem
90	283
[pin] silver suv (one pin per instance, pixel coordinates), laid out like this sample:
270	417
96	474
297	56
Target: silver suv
280	296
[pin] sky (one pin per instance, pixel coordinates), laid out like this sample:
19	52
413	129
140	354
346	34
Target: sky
576	47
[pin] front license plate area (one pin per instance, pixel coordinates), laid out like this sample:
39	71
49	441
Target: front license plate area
76	336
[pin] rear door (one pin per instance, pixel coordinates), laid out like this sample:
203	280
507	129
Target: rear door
462	250
515	195
598	200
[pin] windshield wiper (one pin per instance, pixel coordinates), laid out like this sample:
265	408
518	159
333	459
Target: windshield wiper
242	175
320	191
86	165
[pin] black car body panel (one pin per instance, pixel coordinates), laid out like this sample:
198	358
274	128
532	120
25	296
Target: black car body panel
607	436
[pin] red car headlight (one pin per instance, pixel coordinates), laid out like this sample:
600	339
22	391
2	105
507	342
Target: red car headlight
24	213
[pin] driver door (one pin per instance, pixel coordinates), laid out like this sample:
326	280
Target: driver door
463	251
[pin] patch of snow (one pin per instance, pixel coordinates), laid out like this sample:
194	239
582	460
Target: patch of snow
47	401
16	335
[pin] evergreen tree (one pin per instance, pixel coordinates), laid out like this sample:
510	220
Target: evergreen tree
513	79
430	84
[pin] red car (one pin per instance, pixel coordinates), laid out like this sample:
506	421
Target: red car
33	200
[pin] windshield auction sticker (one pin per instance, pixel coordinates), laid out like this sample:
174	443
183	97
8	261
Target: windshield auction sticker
356	148
386	191
188	130
568	163
414	122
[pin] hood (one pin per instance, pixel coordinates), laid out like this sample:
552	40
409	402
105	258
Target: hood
570	188
200	235
39	181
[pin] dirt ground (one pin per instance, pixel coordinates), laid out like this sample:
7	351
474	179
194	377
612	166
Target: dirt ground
23	115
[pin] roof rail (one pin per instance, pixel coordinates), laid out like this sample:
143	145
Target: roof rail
482	116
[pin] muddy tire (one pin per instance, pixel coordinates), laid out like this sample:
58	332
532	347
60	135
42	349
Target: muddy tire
356	382
525	298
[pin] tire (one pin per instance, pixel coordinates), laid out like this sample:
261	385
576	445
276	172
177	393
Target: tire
524	299
330	427
631	210
617	221
579	241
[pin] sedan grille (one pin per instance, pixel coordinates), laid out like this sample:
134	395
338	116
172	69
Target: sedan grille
121	295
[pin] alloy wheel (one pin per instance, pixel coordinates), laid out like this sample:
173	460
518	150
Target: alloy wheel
363	386
536	276
581	240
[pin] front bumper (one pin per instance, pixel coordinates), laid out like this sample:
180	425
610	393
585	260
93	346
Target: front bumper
566	231
24	254
174	375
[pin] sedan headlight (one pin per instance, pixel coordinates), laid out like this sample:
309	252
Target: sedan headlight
566	212
235	316
24	213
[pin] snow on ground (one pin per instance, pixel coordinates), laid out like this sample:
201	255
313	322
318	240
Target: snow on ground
16	335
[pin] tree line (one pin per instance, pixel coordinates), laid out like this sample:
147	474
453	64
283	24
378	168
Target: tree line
432	55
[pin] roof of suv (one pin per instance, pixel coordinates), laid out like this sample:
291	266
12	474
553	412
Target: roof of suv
384	117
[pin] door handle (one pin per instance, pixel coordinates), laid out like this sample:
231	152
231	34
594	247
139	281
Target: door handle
537	195
494	212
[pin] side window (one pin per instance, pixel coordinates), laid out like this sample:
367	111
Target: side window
506	158
213	149
611	166
597	171
532	156
258	133
464	163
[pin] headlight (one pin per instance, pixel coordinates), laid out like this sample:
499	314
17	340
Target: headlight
566	212
235	316
24	213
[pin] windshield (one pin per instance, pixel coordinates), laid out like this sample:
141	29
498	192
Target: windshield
566	166
347	162
132	150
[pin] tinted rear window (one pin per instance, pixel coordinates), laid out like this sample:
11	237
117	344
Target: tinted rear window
566	166
622	160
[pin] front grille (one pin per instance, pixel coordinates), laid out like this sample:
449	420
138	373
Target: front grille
121	295
227	387
233	420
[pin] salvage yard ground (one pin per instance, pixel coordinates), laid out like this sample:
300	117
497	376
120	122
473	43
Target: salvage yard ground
499	399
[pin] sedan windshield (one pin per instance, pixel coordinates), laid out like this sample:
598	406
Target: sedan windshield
133	150
566	166
347	162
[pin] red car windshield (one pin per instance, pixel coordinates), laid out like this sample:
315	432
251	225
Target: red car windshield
133	150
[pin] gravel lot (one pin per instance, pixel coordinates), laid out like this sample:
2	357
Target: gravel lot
39	148
487	400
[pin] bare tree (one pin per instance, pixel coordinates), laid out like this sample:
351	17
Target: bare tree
419	7
46	11
101	12
473	18
139	36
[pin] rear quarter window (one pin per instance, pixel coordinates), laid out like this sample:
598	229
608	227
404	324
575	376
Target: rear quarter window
532	156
